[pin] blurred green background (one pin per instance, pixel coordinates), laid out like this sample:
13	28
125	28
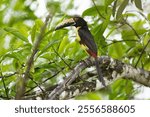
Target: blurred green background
120	29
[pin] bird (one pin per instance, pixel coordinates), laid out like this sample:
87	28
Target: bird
85	39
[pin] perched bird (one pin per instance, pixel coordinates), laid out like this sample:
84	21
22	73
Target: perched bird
85	39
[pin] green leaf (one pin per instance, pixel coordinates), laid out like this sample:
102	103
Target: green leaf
138	4
74	50
121	90
117	50
63	44
90	96
98	32
146	39
134	51
99	29
148	16
114	7
93	11
36	28
16	33
147	64
15	55
90	12
33	33
129	35
121	8
48	46
108	2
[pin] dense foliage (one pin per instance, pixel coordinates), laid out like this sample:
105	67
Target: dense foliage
120	29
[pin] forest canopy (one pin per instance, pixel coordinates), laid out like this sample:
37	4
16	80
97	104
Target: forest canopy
35	59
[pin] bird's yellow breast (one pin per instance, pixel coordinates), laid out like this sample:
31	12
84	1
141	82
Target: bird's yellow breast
84	47
78	37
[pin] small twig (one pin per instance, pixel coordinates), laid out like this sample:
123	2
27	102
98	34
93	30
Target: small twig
43	81
61	58
98	10
34	95
9	75
142	53
37	85
142	14
132	29
117	42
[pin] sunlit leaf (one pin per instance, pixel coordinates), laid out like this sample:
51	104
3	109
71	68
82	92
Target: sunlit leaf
63	44
117	50
108	2
121	8
138	4
114	7
48	46
133	52
90	96
101	11
16	33
36	29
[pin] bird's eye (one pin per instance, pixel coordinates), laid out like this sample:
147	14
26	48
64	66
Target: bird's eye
76	19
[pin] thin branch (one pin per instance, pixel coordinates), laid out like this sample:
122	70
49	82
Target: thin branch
98	10
61	58
132	29
20	93
37	85
142	53
142	14
44	81
117	42
9	75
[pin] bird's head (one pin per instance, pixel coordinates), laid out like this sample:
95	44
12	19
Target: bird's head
75	21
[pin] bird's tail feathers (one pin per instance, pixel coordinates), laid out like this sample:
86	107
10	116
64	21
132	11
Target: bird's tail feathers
99	72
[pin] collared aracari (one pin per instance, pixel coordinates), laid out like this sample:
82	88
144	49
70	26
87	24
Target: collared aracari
85	39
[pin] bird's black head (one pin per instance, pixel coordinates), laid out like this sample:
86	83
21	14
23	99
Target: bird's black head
75	21
79	22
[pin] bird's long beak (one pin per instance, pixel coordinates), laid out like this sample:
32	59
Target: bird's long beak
65	23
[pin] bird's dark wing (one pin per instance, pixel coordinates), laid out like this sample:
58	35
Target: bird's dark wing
87	39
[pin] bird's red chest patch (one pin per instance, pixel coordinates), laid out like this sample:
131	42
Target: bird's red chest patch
92	53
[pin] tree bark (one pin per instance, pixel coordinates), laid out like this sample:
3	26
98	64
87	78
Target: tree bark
112	69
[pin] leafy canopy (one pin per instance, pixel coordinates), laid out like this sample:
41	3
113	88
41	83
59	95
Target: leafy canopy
119	31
